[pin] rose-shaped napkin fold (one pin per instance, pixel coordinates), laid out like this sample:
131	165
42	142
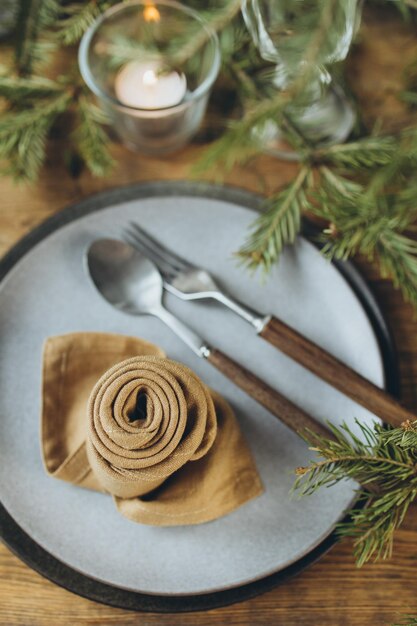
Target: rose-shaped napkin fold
149	431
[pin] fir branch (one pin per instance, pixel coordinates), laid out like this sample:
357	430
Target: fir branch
388	478
90	138
344	187
372	224
27	33
365	457
397	256
277	226
183	47
121	50
16	88
79	17
408	620
373	525
34	18
217	20
233	39
235	145
370	152
404	437
317	40
239	142
23	135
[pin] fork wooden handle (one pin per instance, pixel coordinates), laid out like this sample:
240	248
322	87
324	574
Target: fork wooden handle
290	414
334	372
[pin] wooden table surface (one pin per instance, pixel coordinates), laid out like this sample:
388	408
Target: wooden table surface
332	592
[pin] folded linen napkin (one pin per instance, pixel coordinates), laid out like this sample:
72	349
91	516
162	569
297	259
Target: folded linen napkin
147	430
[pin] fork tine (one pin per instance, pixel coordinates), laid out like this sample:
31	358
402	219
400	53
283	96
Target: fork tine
167	271
167	255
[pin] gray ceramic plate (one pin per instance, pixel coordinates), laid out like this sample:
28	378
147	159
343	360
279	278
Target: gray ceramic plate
45	292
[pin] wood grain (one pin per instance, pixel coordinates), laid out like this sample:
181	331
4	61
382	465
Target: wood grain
334	372
287	412
332	592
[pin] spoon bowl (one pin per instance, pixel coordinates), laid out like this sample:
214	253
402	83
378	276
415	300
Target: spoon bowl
130	282
124	277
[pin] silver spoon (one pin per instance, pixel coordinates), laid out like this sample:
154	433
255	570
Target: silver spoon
133	284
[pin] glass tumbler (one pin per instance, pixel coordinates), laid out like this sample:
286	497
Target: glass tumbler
151	66
294	33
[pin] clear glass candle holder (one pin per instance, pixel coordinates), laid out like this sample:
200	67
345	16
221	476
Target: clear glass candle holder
151	66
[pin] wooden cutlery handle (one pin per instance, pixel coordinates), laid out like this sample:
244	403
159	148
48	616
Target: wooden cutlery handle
290	414
334	372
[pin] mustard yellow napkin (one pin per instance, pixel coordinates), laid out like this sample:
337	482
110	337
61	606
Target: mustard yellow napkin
119	417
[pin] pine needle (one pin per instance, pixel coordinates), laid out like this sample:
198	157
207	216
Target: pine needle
386	473
91	139
35	17
371	222
121	50
23	136
404	437
239	142
369	152
217	19
16	88
277	226
79	17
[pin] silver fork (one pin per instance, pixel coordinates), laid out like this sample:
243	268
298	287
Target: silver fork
189	282
186	281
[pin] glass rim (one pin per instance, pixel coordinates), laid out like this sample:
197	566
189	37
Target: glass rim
88	77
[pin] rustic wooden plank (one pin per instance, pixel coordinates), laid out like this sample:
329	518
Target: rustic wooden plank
334	372
332	592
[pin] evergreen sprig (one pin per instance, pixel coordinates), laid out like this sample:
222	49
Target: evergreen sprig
371	215
121	50
373	222
278	225
366	189
218	19
16	88
33	102
90	138
243	138
356	209
23	135
34	42
370	152
77	19
239	143
386	473
404	437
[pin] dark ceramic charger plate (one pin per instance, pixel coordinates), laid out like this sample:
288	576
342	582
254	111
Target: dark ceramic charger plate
39	559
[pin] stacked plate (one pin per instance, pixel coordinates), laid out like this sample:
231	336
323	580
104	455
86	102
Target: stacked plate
67	533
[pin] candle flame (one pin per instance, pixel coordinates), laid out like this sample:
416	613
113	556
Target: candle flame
151	13
150	78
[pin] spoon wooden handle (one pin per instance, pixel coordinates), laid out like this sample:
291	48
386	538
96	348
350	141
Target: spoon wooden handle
334	372
290	414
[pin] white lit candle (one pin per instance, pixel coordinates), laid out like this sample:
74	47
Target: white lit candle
140	84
